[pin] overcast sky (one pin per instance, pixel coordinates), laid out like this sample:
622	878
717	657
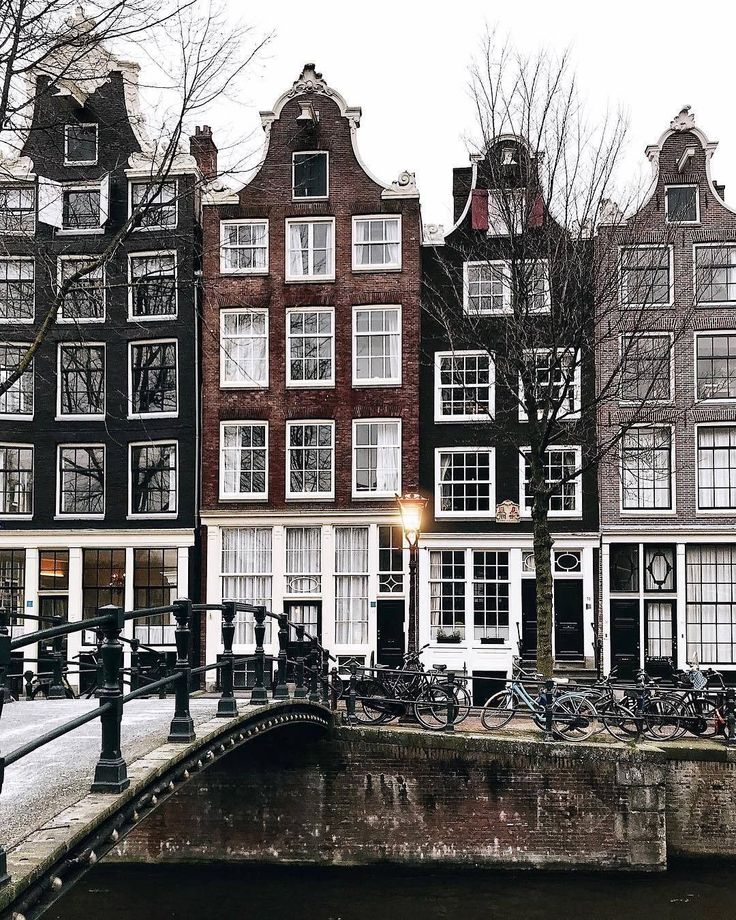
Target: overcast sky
406	64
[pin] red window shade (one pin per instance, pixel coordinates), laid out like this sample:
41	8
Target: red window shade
536	213
479	209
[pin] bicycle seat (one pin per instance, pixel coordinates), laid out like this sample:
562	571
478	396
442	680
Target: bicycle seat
439	667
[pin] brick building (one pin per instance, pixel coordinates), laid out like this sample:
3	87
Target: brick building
310	363
668	494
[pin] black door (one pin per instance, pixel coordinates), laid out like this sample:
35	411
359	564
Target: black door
529	618
568	619
390	644
309	615
625	637
51	605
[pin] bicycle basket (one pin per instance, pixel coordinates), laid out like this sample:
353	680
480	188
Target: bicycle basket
698	680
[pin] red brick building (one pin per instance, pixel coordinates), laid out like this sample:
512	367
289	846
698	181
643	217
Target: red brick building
310	365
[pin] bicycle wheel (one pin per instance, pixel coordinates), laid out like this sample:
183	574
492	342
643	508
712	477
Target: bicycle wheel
660	719
702	718
371	705
573	717
431	707
619	721
498	710
463	702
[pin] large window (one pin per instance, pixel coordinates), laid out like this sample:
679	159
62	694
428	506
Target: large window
559	463
81	481
81	380
376	243
153	479
376	346
246	575
303	560
447	593
715	274
18	399
646	368
103	582
12	584
310	251
390	559
491	594
156	204
659	630
155	584
682	205
624	568
243	247
153	373
376	458
153	285
711	603
351	585
84	301
487	287
310	467
645	276
244	460
17	210
716	365
81	208
310	343
463	382
310	174
465	482
80	145
244	344
16	479
646	469
556	384
716	467
17	290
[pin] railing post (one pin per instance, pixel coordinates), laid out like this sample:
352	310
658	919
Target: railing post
259	694
300	690
314	695
182	725
549	695
4	877
135	663
452	712
227	707
99	639
325	677
352	692
111	774
4	657
281	689
28	678
334	676
730	708
56	690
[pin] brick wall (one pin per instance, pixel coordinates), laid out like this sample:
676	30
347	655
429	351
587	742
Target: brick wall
700	806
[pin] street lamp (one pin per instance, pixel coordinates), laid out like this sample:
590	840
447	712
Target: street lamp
411	506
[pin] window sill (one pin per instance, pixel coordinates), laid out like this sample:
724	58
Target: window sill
243	498
79	517
322	279
310	497
80	231
372	269
244	272
148	416
463	419
168	516
16	417
372	384
310	385
252	387
158	318
16	517
648	512
66	321
79	418
374	496
19	322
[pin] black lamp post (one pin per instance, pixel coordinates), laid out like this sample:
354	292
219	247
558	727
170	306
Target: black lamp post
411	507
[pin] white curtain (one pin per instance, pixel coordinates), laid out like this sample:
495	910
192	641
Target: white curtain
246	574
711	603
388	457
393	351
351	585
303	560
298	249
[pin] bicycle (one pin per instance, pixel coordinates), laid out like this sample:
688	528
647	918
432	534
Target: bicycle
699	714
386	695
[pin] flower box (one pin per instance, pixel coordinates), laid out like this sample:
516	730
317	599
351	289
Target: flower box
449	640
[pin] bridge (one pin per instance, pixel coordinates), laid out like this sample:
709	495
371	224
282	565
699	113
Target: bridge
68	826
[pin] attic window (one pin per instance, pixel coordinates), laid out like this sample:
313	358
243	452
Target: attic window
80	145
310	174
681	202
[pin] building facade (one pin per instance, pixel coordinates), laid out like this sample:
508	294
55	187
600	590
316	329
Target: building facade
310	362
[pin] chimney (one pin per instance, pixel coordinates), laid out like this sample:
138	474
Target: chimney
204	151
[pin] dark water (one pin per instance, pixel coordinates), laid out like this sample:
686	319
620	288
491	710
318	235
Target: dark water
686	892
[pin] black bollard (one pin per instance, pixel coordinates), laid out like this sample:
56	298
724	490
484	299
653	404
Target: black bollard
300	690
99	640
182	725
135	663
281	689
326	695
259	694
730	708
352	692
549	696
111	774
314	695
227	707
56	690
451	704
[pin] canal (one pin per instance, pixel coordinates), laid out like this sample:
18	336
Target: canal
201	892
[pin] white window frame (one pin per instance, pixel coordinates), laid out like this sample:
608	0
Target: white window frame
242	496
224	224
726	244
165	515
5	187
506	290
22	515
138	342
31	369
649	335
388	266
708	512
237	384
81	124
650	512
577	483
391	493
576	382
158	317
22	322
82	231
97	416
462	419
670	271
310	384
311	278
471	448
697	204
72	321
377	381
308	496
72	516
719	400
161	183
294	155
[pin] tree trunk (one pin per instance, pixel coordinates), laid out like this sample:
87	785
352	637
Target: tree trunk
543	566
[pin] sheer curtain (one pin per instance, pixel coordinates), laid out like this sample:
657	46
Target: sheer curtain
393	351
303	560
388	457
351	585
298	249
246	575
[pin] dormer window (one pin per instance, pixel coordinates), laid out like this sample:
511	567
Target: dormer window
310	174
80	145
682	205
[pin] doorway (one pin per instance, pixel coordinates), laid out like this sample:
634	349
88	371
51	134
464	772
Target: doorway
309	615
390	643
625	645
528	648
568	595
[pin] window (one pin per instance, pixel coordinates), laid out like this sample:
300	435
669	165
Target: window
81	380
103	582
17	291
153	483
155	584
310	250
18	400
244	460
81	208
376	458
153	386
351	585
303	560
156	202
447	592
246	575
17	210
716	467
53	570
659	629
491	594
487	287
623	567
531	280
153	285
390	559
310	342
16	479
13	584
310	459
659	568
243	246
646	368
715	274
80	145
646	276
646	469
465	482
505	212
376	345
463	388
681	204
711	603
84	301
310	176
376	243
556	385
244	343
82	481
565	497
567	560
716	366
